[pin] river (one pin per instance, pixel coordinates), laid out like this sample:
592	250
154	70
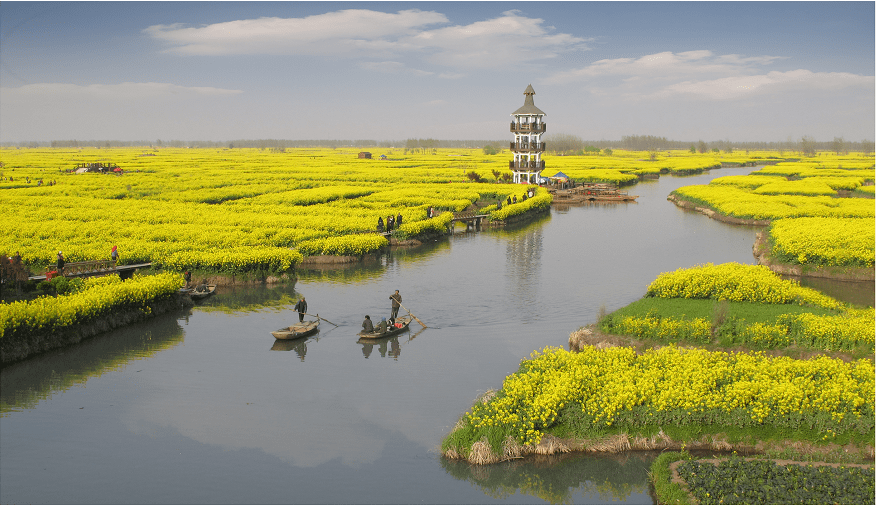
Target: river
203	407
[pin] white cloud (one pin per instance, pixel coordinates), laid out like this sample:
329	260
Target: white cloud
737	86
391	67
506	40
358	33
665	65
346	33
123	91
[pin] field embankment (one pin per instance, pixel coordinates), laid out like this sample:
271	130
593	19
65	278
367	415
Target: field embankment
93	306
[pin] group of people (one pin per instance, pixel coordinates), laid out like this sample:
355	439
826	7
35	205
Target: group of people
513	199
384	325
391	223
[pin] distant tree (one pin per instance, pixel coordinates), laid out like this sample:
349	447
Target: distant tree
867	147
838	146
702	147
497	174
607	151
563	143
490	149
644	142
592	149
807	146
693	149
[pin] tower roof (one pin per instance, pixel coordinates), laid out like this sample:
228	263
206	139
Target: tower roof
528	104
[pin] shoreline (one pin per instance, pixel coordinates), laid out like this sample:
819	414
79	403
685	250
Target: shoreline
761	250
480	453
18	348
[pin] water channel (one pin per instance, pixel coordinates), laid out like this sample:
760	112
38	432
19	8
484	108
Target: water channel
204	407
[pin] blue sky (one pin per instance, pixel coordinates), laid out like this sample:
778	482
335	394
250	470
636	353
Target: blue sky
739	71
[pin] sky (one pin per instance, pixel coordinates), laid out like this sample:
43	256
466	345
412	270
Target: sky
737	71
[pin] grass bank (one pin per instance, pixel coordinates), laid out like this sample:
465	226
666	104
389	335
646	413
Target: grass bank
84	308
717	357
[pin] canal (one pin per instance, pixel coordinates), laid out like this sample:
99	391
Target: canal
205	407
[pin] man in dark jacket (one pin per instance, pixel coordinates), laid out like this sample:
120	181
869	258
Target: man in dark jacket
367	325
301	307
396	303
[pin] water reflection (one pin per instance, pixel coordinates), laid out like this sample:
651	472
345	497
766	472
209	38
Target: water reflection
299	345
392	342
387	346
558	478
523	254
243	298
859	293
23	385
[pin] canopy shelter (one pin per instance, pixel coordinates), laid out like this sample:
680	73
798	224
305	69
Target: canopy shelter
559	176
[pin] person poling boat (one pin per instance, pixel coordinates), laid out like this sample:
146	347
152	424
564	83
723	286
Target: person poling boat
396	304
301	308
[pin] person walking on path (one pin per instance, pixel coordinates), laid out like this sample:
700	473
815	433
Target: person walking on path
60	264
396	303
301	308
115	254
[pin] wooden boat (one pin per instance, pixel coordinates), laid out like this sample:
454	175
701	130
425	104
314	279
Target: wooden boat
296	330
401	324
198	295
591	193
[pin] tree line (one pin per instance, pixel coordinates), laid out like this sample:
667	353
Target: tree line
557	143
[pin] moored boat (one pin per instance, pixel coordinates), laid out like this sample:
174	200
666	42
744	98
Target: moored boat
401	324
297	330
591	193
202	291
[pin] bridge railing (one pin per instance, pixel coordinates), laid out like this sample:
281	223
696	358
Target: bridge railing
87	267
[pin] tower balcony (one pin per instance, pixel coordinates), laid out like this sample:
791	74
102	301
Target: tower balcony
528	127
526	165
535	147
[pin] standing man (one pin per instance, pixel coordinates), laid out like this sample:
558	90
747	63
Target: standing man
301	307
60	263
396	303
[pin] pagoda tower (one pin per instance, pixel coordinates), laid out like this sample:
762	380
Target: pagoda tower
527	126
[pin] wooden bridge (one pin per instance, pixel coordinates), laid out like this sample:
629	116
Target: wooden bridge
93	269
471	219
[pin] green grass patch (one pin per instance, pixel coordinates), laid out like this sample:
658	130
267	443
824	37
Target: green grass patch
739	480
665	490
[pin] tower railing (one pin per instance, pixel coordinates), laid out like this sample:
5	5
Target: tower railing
528	146
528	127
526	165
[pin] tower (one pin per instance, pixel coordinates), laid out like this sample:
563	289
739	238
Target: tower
527	126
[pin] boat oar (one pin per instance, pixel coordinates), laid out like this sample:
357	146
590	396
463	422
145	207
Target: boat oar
412	315
317	316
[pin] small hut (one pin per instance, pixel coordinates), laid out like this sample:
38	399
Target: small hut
365	155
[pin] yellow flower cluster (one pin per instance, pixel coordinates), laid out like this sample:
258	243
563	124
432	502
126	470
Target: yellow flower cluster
735	282
735	201
666	329
98	297
617	386
824	241
346	245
